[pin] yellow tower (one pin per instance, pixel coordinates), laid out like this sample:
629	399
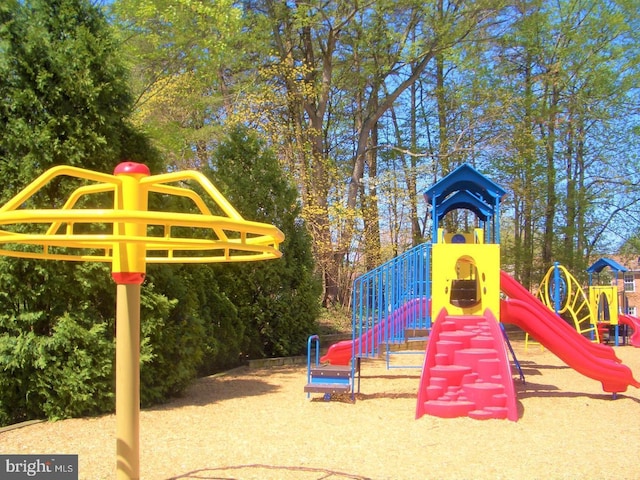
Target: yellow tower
466	355
465	271
466	274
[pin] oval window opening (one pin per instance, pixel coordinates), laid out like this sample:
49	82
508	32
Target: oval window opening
465	291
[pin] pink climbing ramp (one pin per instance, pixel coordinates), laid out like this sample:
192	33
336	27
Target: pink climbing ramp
466	370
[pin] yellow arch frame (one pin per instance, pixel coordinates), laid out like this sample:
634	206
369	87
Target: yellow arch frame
576	303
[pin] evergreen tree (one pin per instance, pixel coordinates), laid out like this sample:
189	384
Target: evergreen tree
65	94
277	302
66	101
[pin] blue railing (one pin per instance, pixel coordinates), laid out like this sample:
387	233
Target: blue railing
390	300
312	341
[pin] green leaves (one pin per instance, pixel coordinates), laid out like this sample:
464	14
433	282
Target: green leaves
67	373
277	301
65	101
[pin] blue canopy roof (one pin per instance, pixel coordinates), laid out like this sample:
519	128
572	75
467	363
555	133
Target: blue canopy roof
602	263
465	177
466	188
464	199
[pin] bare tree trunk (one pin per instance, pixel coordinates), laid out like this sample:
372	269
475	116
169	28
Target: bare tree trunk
370	212
526	144
549	232
307	117
412	174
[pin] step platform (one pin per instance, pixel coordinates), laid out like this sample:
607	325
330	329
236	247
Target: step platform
329	379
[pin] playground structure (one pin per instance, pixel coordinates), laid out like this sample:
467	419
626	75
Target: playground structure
609	305
561	292
595	312
450	290
129	236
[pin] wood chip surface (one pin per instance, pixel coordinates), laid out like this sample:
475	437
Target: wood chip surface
259	424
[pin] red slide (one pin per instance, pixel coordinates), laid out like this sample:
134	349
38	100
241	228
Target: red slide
341	353
634	323
595	361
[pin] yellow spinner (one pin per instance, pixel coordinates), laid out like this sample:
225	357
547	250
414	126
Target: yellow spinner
98	234
128	235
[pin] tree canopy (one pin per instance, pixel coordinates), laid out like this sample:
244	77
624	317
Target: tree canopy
326	118
68	99
366	105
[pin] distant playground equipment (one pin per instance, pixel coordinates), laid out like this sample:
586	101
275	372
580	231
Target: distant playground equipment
626	322
326	379
129	236
610	305
562	293
457	279
596	312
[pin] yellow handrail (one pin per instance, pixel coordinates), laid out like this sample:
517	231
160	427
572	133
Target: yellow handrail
221	238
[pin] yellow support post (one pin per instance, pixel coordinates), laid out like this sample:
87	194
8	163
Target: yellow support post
128	271
128	381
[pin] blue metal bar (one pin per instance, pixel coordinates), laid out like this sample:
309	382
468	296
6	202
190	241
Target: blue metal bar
556	290
434	219
391	299
496	224
513	354
315	338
